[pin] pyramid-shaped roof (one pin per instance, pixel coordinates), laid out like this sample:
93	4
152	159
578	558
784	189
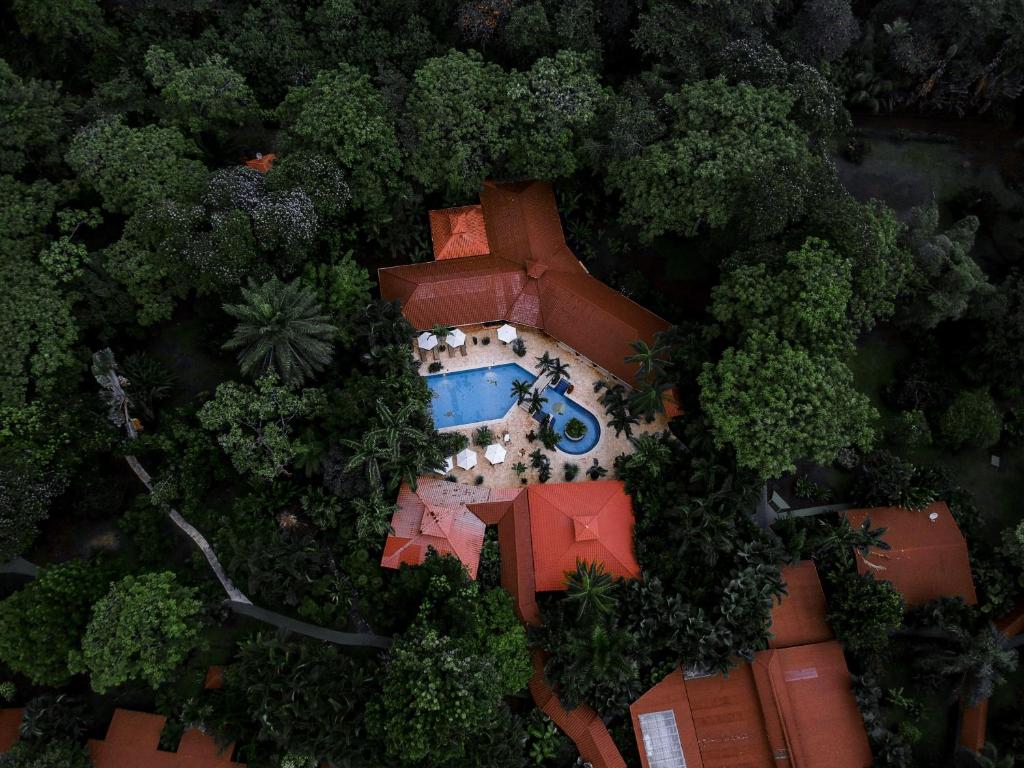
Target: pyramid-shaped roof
928	557
590	522
459	232
435	516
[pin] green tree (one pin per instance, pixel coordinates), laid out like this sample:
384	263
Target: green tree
53	754
558	100
862	610
804	301
295	695
975	662
520	390
255	424
32	122
592	587
732	159
143	629
41	624
342	114
945	281
462	116
133	168
775	403
210	96
62	23
344	289
972	420
281	328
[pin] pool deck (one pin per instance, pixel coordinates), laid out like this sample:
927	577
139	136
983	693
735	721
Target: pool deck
518	422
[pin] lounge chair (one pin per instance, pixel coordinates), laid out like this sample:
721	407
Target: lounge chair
462	349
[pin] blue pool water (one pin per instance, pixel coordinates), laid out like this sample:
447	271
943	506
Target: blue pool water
563	408
479	394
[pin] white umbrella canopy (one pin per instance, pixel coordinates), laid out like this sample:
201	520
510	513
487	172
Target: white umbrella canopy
506	333
426	340
495	453
455	339
448	464
466	459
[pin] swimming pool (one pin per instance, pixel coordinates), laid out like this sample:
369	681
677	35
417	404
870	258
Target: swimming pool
563	408
479	394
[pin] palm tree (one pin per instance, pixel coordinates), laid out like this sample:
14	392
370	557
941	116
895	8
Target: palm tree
839	540
558	370
649	359
281	326
592	587
650	452
520	390
976	662
544	363
621	420
395	441
441	331
537	401
648	399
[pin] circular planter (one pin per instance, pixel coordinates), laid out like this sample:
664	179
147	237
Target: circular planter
573	439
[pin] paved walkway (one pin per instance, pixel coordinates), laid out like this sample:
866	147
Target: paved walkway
518	422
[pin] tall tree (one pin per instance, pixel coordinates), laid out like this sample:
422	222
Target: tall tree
732	159
143	629
776	402
281	327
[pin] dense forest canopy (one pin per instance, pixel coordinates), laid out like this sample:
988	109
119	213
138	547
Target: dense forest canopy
821	197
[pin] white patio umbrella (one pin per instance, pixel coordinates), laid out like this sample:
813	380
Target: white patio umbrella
466	459
448	464
506	333
455	339
426	340
495	453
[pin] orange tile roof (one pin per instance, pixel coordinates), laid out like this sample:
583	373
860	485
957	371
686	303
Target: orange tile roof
591	521
799	617
435	516
133	740
529	277
791	708
214	679
459	232
10	723
263	163
973	726
928	558
582	724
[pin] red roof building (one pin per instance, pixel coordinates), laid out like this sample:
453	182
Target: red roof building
792	708
133	740
590	522
523	273
799	618
459	232
928	558
435	516
10	723
261	163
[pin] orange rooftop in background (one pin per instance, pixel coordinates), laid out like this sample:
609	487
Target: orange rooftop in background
928	558
133	740
261	162
791	708
507	260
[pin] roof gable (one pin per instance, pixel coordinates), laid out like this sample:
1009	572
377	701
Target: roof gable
928	558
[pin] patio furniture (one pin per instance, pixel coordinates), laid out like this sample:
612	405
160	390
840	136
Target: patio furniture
466	459
456	338
426	340
495	453
506	438
507	334
462	349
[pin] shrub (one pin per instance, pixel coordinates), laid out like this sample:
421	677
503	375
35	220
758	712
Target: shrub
434	367
885	480
483	437
571	470
595	471
486	340
575	429
972	421
805	488
862	610
479	480
519	347
911	429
